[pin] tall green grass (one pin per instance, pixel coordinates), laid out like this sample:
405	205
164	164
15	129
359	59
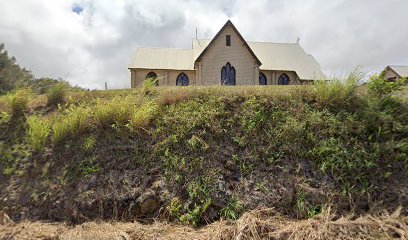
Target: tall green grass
38	130
72	123
142	116
115	111
338	93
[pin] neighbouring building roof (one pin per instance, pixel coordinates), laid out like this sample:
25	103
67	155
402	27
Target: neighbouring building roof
273	56
163	58
402	71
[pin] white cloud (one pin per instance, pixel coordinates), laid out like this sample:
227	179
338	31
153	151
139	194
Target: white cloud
96	45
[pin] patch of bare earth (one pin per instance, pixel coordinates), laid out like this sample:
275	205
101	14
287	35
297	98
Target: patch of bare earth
256	224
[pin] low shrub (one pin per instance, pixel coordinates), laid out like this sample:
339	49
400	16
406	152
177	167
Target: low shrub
115	111
56	94
38	130
18	102
72	123
380	87
337	93
232	210
142	116
149	84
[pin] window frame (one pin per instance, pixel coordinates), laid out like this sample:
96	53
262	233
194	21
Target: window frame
228	40
283	79
264	76
182	76
228	75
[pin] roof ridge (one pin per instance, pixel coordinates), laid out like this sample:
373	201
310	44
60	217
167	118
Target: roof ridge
398	65
283	43
272	42
163	48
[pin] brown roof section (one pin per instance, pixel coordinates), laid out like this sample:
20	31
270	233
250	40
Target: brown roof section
229	23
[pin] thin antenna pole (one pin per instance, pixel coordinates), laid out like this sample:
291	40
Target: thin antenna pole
196	33
106	86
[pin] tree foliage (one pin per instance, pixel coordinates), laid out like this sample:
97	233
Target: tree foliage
12	76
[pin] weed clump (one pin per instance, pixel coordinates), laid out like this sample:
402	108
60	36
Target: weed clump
142	116
71	123
37	132
149	84
18	102
338	94
56	95
116	111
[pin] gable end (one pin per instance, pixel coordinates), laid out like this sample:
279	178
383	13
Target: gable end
229	23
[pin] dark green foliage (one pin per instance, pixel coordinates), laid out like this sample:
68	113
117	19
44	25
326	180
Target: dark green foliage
12	76
232	210
381	87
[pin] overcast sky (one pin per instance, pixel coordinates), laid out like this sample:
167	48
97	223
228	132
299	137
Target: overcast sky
89	42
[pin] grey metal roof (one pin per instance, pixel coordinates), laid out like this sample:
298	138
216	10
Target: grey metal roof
274	56
400	70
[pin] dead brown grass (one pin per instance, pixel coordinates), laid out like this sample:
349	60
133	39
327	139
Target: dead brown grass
253	225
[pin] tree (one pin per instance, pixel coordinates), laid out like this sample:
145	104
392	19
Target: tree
11	74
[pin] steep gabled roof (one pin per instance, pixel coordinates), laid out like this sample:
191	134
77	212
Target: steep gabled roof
401	71
228	24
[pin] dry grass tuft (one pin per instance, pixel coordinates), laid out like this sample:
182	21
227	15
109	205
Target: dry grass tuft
253	225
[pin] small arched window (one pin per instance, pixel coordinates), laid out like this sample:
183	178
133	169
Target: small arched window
182	80
283	79
152	75
262	79
228	75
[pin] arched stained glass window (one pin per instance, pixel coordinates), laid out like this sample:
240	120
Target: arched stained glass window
228	75
283	79
262	79
182	80
152	75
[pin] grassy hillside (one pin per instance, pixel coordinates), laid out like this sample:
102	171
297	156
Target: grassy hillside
198	154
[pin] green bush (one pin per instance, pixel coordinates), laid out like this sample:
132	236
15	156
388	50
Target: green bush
336	93
232	210
18	102
37	132
142	116
115	111
4	117
56	95
381	87
149	84
72	123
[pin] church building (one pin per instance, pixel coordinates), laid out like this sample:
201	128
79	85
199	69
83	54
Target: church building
227	59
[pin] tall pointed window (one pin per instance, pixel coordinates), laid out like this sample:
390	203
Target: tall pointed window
262	79
283	79
228	75
182	80
228	40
